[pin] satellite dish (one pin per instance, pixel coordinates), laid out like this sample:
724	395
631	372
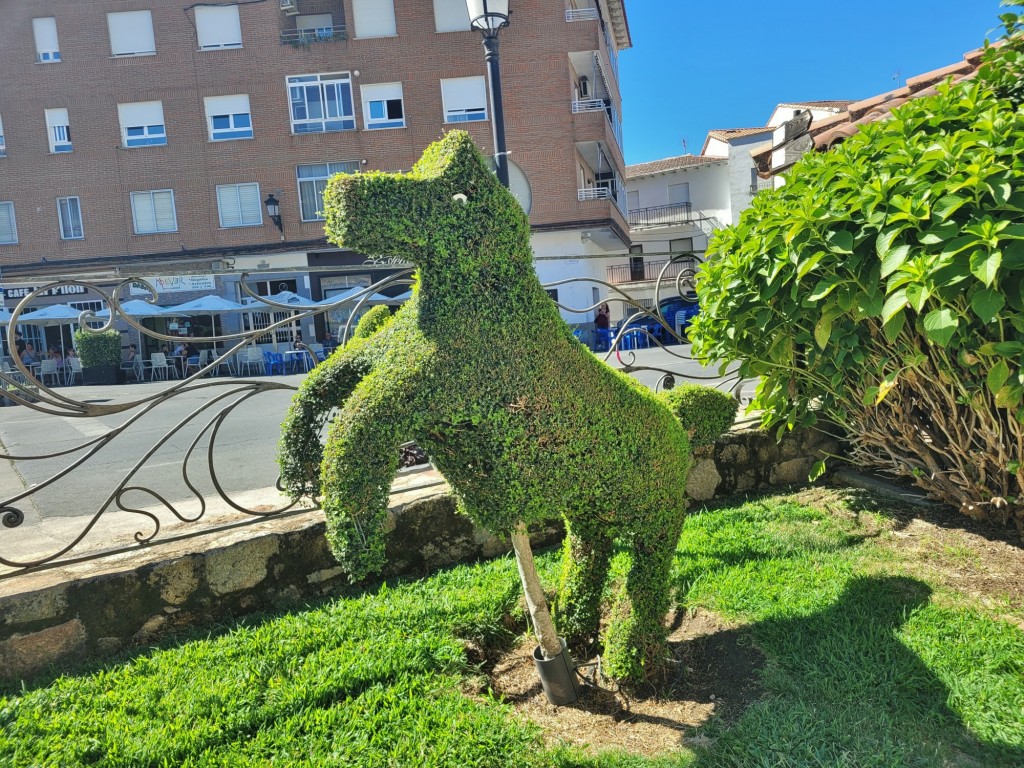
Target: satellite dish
518	184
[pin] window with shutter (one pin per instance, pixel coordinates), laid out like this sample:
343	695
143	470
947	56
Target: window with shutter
153	212
228	118
464	99
374	18
45	33
382	106
8	231
451	15
239	205
69	212
679	193
131	33
142	124
218	26
58	130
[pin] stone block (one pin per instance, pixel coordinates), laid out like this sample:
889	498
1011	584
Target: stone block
177	580
703	480
30	607
22	655
239	567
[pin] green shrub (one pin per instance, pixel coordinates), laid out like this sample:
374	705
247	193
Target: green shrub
883	287
479	369
98	349
372	322
706	413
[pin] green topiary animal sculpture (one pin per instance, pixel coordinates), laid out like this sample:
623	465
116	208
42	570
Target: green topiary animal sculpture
481	371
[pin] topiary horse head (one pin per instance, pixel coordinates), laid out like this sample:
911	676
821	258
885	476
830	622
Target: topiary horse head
481	371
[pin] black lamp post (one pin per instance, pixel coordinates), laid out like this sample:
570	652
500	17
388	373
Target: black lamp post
491	16
274	211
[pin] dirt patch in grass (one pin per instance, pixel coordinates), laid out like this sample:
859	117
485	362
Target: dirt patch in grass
713	674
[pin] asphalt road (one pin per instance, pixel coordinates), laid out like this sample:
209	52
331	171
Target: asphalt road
243	458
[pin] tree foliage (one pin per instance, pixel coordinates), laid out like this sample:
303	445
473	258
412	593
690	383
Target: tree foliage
883	287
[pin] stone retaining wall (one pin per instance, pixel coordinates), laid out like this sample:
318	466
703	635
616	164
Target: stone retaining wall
103	606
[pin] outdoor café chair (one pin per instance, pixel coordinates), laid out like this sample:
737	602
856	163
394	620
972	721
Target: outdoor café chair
162	366
72	368
48	369
196	363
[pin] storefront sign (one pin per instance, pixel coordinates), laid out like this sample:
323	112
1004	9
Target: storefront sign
176	284
17	294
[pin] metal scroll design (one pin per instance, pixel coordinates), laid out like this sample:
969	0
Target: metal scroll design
222	398
22	387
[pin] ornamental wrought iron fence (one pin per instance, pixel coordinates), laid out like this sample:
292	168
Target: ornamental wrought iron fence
132	512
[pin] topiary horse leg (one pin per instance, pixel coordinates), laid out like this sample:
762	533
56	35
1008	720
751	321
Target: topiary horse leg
635	641
586	556
359	464
326	387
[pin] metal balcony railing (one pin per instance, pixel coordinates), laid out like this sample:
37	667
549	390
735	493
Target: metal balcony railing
600	105
761	185
309	36
648	271
661	215
581	14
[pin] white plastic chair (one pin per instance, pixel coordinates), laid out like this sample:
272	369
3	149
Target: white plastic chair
162	366
249	358
201	362
47	368
72	368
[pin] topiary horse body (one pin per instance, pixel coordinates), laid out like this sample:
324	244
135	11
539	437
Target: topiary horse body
481	371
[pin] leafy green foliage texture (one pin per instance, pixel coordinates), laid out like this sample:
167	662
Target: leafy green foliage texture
98	349
375	319
481	371
706	413
883	288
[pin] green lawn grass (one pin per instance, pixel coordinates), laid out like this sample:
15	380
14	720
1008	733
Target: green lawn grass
866	664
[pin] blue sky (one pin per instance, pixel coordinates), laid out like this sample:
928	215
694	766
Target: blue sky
697	65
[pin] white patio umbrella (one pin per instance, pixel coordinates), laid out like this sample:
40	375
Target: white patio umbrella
139	309
213	305
54	315
400	298
345	295
292	299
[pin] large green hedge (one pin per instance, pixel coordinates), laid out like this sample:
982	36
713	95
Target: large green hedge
481	371
883	286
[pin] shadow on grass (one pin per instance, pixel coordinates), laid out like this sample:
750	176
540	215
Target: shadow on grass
844	690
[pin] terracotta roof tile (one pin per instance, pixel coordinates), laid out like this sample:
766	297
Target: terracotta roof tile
735	133
670	164
819	104
836	128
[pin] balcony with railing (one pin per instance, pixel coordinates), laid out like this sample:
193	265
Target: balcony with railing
303	37
580	106
648	271
613	191
662	215
581	14
761	185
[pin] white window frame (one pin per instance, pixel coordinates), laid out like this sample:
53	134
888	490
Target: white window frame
451	16
632	196
457	106
237	112
222	27
242	221
381	93
298	92
683	186
144	116
131	33
58	130
44	30
319	183
151	193
374	18
67	228
8	206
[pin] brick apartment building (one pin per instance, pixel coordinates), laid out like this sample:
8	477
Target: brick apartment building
141	137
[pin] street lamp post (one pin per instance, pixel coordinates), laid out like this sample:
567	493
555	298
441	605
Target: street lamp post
490	17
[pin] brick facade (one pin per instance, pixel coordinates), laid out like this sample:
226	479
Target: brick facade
537	80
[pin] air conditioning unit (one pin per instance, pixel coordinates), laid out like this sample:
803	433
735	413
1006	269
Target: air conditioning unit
584	87
290	7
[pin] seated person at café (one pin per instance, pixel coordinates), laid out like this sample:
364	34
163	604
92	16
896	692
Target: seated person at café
56	356
28	355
